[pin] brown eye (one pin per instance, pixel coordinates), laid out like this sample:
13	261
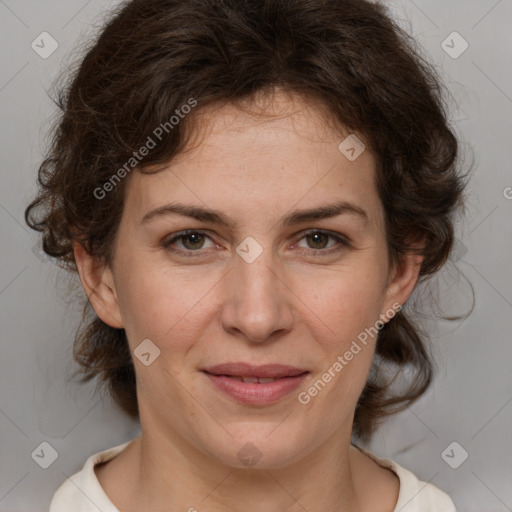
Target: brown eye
191	242
318	242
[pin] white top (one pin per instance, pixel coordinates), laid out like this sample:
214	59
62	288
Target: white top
82	491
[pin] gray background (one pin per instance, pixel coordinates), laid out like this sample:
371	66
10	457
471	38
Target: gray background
471	400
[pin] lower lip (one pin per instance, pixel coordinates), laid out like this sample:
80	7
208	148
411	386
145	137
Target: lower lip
253	393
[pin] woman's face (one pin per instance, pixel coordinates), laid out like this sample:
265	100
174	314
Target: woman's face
255	290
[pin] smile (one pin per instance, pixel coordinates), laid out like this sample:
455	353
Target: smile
255	385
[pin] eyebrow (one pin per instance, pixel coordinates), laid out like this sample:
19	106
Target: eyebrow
296	217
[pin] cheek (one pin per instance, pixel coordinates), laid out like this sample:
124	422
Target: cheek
346	304
162	305
347	310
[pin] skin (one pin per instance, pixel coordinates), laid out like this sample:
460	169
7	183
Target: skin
292	305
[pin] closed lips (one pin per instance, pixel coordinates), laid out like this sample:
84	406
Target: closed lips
255	385
248	373
259	380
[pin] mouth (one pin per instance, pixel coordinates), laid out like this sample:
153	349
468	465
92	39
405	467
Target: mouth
249	373
255	385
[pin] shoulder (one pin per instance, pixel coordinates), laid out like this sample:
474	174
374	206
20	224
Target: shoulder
82	492
414	494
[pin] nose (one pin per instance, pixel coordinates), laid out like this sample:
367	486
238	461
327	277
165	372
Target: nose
258	303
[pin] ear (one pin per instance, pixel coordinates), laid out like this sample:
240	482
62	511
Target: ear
98	283
403	278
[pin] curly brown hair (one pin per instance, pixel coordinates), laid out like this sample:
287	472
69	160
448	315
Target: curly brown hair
151	56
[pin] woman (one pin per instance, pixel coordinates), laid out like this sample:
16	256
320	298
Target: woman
250	192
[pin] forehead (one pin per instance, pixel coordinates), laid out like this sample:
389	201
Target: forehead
279	154
276	120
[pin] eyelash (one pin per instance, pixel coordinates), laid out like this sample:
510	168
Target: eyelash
342	243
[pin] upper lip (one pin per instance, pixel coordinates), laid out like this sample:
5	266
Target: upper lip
276	371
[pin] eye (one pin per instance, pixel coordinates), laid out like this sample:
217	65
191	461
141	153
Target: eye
193	242
317	241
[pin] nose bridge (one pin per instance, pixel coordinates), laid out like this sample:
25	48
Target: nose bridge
258	303
256	273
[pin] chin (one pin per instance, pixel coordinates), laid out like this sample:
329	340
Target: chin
251	449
